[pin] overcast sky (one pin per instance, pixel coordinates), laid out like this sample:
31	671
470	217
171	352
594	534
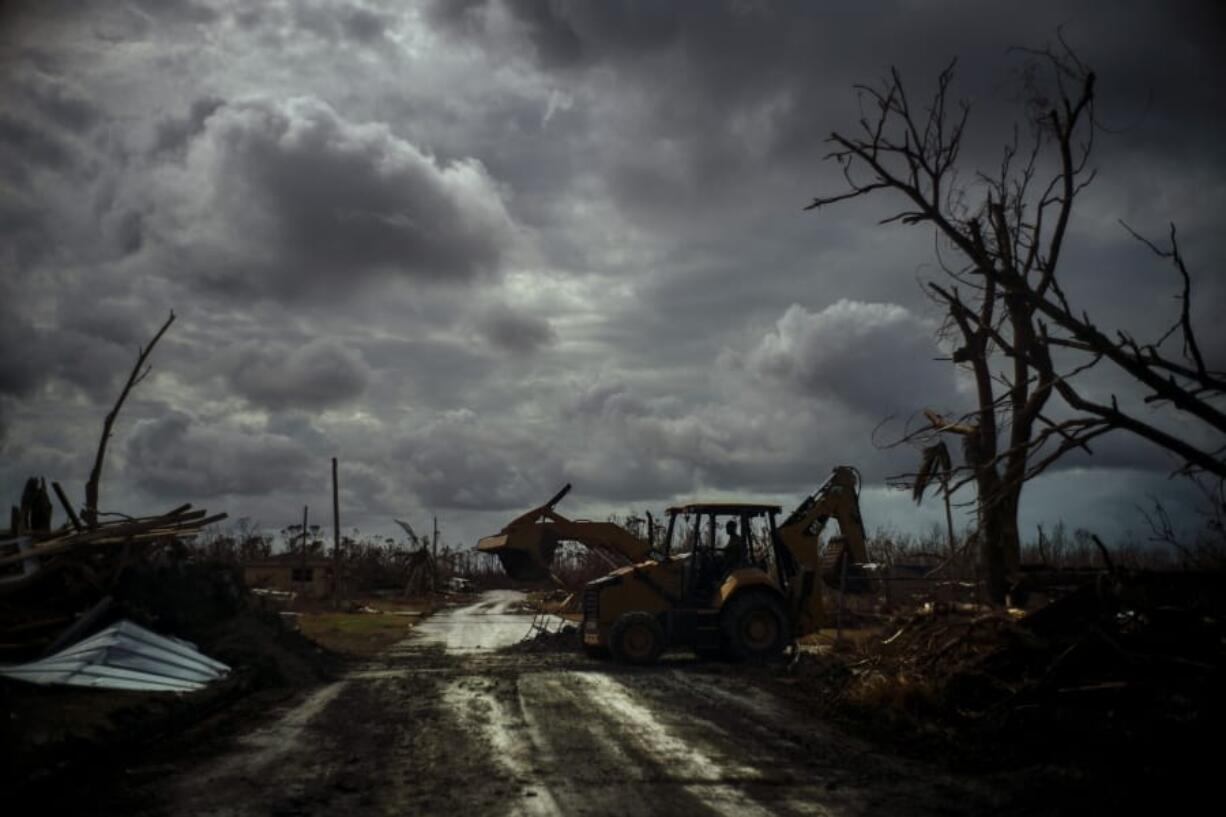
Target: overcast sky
479	249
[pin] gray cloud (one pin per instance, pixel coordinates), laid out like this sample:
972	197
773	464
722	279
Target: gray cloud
177	11
296	199
359	204
456	461
87	356
62	103
505	328
173	456
173	133
24	142
341	21
606	400
315	375
875	357
22	364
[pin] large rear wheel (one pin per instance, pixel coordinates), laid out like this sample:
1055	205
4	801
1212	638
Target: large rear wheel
756	627
637	638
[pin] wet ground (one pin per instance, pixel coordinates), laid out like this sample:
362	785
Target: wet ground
445	723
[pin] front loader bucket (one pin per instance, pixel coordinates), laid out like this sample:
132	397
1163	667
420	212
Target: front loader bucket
526	553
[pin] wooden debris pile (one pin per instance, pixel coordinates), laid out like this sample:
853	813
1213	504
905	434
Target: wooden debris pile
1134	647
53	580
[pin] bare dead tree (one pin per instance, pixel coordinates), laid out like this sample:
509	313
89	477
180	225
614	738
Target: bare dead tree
999	241
139	372
1019	224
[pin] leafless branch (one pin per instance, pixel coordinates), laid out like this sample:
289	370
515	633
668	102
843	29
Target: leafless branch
139	372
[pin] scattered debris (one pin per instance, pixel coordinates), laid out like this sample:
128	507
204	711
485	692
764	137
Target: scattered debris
284	596
1128	659
49	579
562	638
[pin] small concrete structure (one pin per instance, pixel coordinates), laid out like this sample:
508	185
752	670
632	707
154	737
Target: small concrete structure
310	579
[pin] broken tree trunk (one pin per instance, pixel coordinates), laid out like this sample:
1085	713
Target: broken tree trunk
139	372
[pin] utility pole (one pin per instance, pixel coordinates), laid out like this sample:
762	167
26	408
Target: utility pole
434	557
336	537
304	535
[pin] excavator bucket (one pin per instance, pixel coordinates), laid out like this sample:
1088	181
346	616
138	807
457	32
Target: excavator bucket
526	551
527	544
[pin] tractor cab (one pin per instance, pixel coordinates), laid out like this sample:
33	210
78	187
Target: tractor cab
717	539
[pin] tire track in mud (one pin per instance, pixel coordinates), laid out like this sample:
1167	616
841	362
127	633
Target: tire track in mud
578	741
568	756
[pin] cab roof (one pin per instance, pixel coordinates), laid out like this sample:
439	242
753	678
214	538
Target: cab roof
737	508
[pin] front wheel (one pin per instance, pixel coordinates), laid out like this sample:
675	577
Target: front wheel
637	638
756	627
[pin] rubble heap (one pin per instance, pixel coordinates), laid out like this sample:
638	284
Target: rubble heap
57	583
1129	659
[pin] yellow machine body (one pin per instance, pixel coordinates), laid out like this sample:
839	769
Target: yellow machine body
694	599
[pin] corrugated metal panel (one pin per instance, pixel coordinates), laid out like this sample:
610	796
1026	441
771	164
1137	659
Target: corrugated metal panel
124	656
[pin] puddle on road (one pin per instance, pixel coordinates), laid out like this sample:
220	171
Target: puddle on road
487	625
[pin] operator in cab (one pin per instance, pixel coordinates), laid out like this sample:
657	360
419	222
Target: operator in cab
734	550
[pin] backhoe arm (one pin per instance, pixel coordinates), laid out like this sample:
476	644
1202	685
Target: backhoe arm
800	536
838	497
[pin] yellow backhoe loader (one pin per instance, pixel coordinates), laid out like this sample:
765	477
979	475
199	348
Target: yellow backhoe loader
745	590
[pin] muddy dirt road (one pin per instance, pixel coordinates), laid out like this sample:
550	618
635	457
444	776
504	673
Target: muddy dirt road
444	723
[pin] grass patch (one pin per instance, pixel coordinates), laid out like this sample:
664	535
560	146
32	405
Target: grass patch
355	633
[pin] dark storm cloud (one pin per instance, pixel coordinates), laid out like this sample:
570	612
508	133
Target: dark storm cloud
129	233
607	400
22	364
459	462
24	230
318	374
459	16
344	21
303	201
106	319
34	356
173	456
564	34
177	11
555	39
505	328
876	358
173	133
437	373
609	191
88	347
700	69
60	102
24	142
